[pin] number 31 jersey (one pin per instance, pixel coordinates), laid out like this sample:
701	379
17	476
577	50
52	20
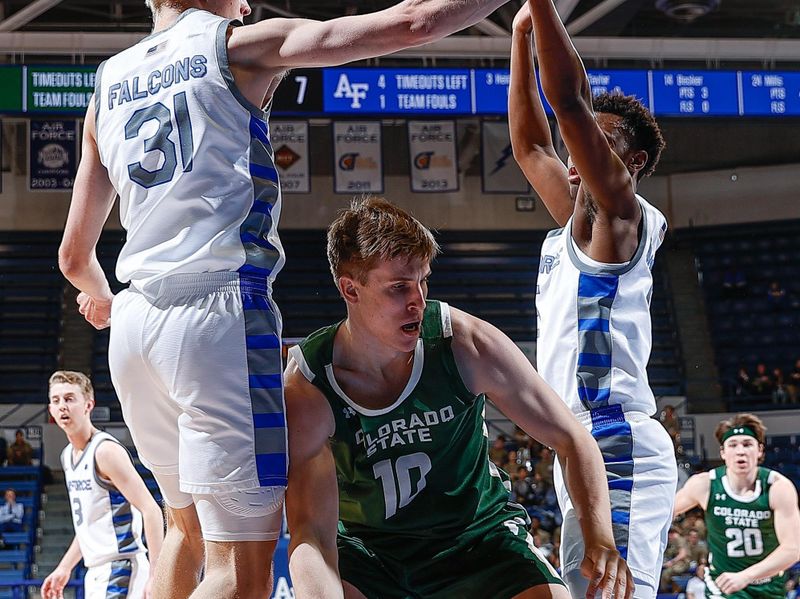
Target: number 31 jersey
107	526
741	532
189	156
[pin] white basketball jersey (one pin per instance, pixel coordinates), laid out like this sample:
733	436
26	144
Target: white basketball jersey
189	156
107	526
594	327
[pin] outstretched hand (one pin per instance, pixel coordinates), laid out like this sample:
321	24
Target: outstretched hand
607	573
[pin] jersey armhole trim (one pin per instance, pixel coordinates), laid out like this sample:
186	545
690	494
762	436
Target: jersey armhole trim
105	483
227	75
297	353
609	269
447	321
98	98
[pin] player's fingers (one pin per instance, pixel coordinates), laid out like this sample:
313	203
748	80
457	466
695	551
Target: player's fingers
631	587
610	579
597	575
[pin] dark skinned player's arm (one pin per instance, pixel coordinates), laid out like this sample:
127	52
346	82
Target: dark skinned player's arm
567	89
530	132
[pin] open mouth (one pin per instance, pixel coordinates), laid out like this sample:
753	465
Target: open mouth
411	327
573	176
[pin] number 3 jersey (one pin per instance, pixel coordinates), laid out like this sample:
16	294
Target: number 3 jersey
418	470
189	156
107	526
741	532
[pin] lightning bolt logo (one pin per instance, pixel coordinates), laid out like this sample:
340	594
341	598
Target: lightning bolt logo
501	162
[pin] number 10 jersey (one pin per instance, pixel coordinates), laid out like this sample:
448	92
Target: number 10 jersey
189	156
414	476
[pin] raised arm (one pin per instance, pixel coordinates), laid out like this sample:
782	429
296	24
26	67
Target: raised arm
312	500
490	363
287	43
114	464
567	89
92	199
783	501
530	131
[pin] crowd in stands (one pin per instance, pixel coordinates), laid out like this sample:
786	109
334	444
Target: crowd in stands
768	382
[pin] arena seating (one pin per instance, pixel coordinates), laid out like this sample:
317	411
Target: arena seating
30	311
746	327
491	274
16	556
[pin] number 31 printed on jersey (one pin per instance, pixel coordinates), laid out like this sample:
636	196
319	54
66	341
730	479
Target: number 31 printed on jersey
161	142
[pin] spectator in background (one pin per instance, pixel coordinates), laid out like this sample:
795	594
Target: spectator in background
521	488
544	467
11	513
780	392
696	587
791	588
669	419
497	452
742	384
20	452
676	559
762	383
793	385
776	296
734	283
698	550
511	464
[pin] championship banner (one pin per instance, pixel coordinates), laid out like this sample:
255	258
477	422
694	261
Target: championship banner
53	158
290	140
358	159
432	152
500	172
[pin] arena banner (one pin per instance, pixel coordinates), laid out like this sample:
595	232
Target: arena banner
290	142
358	157
433	156
53	156
282	585
500	172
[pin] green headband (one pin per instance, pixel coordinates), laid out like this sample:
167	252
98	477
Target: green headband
739	430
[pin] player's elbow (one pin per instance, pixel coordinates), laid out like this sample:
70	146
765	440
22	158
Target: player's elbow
70	262
417	25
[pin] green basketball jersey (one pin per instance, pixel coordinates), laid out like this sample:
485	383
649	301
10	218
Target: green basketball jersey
741	532
419	469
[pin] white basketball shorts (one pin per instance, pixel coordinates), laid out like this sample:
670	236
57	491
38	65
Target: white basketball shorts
198	372
642	479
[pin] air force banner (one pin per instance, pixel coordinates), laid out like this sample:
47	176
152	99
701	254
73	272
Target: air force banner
358	161
501	174
53	155
432	152
290	140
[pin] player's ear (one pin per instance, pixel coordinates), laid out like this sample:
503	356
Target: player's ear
348	289
636	161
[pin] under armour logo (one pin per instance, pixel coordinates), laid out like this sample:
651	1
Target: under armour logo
348	412
720	496
738	430
355	91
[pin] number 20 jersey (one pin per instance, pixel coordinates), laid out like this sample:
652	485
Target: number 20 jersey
741	532
189	156
107	526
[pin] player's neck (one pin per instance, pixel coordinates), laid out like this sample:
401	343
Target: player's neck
80	438
357	349
166	18
742	484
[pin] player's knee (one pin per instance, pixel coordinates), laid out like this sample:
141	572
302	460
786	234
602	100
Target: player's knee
253	515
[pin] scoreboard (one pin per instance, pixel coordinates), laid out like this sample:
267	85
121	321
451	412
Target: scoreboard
392	92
